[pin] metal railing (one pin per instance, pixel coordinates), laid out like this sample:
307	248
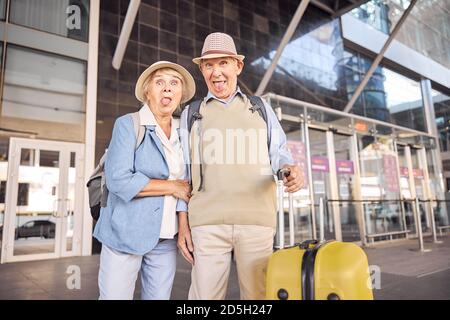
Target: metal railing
280	240
440	228
379	201
311	106
323	205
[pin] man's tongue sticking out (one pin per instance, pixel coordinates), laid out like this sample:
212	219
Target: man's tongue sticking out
219	85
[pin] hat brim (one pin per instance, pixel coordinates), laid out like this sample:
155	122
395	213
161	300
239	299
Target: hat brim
188	84
217	55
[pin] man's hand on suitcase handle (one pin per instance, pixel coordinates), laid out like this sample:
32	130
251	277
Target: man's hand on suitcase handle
294	180
184	237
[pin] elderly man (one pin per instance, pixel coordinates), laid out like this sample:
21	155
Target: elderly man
233	152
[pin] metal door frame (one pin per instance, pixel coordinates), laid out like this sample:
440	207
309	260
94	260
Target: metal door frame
334	192
426	190
308	127
402	208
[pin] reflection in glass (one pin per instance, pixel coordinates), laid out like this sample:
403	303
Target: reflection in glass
442	213
435	183
316	67
404	100
4	147
388	96
44	94
27	157
72	159
382	15
301	199
419	182
37	206
372	101
426	30
331	120
321	180
441	104
67	18
345	175
308	69
49	159
405	189
375	14
379	185
2	11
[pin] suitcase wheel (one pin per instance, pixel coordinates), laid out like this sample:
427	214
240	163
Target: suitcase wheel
282	294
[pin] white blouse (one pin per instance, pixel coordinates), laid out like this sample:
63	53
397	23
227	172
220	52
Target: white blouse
174	158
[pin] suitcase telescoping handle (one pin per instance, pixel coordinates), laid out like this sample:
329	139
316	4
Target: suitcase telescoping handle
279	239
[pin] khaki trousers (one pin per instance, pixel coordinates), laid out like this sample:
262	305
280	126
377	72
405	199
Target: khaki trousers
252	245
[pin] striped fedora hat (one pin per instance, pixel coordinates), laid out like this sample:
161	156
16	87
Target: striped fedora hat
218	45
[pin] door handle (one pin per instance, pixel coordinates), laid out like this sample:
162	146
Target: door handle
67	208
55	210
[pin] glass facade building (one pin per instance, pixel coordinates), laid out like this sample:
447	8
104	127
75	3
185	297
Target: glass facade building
426	31
60	97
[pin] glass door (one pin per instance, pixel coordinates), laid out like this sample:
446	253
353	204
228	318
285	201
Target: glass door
301	200
43	208
407	190
419	165
321	180
345	176
440	205
4	147
380	187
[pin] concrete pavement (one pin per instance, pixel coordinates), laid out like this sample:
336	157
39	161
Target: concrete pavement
405	274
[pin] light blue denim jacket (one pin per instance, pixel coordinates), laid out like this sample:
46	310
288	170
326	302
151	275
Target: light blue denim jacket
130	224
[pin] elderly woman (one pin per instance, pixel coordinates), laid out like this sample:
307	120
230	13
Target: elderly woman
138	226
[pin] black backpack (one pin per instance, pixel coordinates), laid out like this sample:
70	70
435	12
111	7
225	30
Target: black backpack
97	190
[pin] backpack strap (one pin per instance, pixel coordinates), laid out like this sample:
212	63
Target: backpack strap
258	105
139	131
193	113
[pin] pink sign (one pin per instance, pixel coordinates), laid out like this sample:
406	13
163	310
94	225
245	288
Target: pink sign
297	149
418	173
404	172
344	166
320	164
390	173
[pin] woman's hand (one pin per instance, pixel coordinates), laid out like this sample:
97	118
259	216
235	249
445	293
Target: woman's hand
184	238
181	189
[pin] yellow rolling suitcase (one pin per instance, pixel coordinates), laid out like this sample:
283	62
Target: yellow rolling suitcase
313	270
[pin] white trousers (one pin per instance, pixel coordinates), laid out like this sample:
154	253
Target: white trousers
119	271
